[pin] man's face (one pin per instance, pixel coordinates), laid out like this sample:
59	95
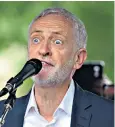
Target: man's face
51	40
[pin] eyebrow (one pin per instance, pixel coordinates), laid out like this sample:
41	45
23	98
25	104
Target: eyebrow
54	32
58	33
36	31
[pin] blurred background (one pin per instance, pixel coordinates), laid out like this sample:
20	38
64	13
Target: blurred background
15	17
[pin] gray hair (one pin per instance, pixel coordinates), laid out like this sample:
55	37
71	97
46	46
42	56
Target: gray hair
80	31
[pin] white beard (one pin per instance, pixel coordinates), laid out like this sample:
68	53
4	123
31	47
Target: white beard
56	78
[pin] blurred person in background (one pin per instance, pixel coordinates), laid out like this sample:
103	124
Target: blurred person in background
58	39
104	87
94	79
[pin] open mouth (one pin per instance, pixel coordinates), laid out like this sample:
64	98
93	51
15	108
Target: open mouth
44	63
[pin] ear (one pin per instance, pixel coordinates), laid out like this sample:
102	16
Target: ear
80	57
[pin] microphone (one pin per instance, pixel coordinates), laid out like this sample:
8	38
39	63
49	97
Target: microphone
32	67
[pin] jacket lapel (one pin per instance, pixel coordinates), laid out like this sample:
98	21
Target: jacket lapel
81	114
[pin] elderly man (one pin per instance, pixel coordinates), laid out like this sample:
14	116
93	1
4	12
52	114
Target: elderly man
58	39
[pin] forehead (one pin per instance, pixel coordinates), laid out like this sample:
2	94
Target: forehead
52	22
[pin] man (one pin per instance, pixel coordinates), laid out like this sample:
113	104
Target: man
58	39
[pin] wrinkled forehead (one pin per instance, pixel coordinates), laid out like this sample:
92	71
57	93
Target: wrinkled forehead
52	21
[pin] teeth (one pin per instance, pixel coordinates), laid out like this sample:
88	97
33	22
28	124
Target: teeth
44	62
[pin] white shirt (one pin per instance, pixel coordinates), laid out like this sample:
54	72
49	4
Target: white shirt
61	117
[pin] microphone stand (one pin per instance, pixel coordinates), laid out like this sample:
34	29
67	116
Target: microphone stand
8	105
32	67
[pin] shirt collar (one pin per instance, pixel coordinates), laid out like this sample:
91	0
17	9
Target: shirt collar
32	102
65	105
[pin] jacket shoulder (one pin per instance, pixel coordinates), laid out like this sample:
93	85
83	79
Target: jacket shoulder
101	101
102	110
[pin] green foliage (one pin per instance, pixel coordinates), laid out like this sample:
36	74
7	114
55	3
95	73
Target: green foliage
98	18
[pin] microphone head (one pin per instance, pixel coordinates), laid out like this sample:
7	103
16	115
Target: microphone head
32	67
36	63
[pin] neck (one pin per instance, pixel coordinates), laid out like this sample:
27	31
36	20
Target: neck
48	99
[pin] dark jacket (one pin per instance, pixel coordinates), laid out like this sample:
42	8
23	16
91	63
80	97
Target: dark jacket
89	110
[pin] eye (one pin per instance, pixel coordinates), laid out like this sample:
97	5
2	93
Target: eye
58	42
36	40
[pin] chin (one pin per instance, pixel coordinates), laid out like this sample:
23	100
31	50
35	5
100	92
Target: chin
44	83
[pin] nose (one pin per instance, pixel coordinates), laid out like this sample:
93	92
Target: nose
45	49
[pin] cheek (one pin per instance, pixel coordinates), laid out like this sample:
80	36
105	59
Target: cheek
32	52
62	57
